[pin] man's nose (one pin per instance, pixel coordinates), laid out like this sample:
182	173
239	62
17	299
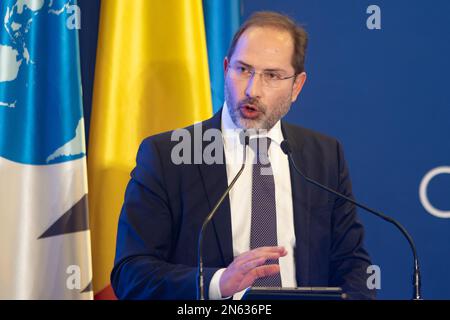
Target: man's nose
254	86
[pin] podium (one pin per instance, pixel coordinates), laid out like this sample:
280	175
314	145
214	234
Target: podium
300	293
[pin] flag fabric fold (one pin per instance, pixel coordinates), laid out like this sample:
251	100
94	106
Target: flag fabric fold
222	20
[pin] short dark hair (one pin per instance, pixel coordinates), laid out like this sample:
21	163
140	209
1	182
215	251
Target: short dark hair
277	21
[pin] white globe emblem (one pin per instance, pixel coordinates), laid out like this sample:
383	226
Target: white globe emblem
423	192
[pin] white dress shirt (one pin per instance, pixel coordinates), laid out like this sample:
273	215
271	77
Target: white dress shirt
241	200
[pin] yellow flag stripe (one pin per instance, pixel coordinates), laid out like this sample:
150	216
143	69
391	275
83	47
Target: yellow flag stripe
151	76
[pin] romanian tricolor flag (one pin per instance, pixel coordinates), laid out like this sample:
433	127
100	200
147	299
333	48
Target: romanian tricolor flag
151	76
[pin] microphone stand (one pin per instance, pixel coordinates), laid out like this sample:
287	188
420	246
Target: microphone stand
416	274
244	138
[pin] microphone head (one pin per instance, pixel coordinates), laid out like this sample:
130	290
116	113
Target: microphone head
285	147
244	137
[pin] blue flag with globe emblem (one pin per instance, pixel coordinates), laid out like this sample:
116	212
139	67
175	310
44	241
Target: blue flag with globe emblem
44	233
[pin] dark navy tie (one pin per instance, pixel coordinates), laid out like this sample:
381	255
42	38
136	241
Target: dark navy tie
263	230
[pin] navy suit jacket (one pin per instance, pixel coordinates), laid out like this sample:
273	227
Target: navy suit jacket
165	205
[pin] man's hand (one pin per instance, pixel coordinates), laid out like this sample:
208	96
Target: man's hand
248	267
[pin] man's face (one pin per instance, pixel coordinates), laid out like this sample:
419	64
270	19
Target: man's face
254	104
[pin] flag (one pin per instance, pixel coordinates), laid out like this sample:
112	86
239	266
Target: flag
44	233
222	20
151	76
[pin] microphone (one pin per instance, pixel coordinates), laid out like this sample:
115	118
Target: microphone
416	275
244	139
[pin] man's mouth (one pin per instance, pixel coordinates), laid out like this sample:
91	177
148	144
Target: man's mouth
249	111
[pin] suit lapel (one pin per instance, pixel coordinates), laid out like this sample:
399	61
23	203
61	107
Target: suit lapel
300	205
215	182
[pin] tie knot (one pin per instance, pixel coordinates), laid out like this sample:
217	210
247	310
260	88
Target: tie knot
261	146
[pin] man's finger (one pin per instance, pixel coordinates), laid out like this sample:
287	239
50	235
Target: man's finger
255	260
259	252
265	271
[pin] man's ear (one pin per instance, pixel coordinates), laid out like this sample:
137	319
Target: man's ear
225	66
298	85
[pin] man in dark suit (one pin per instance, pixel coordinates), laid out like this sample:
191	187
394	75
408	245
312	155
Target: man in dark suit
274	229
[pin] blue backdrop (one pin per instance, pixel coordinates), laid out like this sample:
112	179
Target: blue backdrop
384	93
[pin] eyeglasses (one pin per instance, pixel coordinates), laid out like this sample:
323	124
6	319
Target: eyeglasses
270	79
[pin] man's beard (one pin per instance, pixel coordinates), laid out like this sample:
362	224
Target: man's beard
267	118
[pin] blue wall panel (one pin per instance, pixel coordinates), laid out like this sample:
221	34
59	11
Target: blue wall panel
385	94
